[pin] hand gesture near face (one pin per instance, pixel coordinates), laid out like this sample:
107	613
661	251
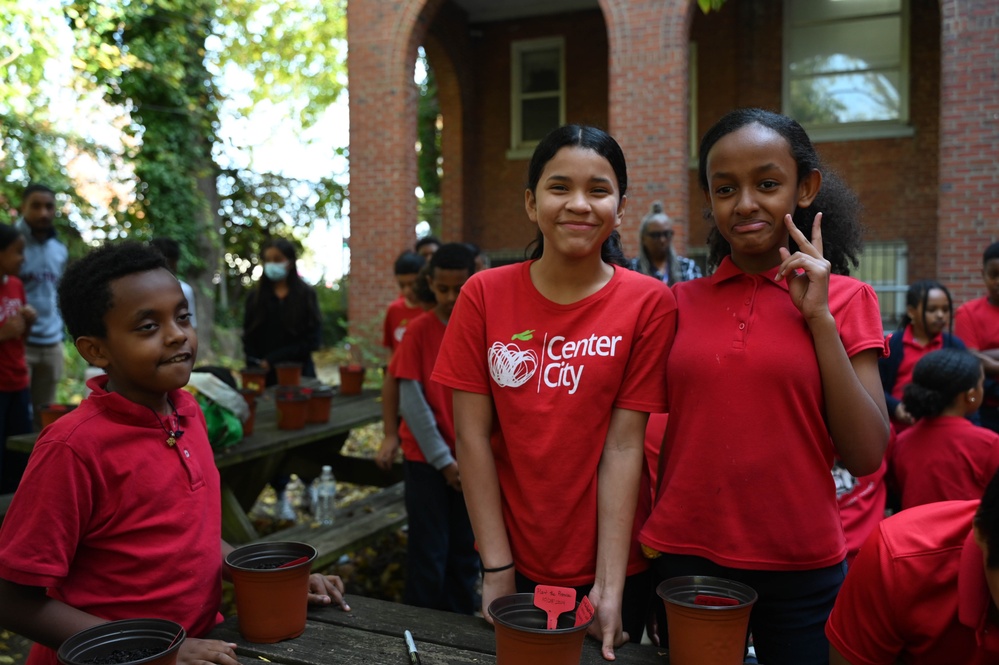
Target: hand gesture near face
806	272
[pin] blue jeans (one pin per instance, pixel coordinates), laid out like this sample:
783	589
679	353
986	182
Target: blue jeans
15	418
442	566
789	618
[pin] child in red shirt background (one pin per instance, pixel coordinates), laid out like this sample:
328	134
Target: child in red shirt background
16	317
977	324
944	456
442	566
398	316
924	328
118	515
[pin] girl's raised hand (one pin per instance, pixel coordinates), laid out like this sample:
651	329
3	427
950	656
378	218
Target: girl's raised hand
806	271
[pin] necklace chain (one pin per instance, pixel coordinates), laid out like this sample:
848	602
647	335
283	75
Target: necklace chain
174	419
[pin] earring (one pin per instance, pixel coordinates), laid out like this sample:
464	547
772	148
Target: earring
971	399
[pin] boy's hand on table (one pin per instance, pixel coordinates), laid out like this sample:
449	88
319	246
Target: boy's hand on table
327	590
197	652
452	477
386	452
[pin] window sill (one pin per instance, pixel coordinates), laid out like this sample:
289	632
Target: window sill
860	132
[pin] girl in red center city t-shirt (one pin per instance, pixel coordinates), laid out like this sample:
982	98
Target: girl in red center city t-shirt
772	375
555	365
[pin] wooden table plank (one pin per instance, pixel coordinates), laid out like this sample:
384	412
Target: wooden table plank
371	633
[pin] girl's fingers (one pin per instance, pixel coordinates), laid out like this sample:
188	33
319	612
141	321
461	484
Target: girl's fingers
813	247
817	233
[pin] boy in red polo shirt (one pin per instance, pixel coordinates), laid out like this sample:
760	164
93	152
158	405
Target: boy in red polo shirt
119	515
924	589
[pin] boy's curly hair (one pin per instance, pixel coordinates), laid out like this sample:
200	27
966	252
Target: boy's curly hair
85	288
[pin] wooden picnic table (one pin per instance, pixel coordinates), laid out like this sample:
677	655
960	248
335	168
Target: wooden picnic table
246	467
372	634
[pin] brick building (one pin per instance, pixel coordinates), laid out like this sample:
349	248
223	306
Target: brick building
900	96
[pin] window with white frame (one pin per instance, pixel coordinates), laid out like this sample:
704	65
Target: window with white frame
885	266
846	67
537	92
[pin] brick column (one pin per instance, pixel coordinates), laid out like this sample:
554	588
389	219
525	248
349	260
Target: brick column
382	38
648	46
969	158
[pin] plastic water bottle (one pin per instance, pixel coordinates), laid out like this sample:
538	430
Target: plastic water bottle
323	503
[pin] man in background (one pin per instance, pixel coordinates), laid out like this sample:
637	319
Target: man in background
44	262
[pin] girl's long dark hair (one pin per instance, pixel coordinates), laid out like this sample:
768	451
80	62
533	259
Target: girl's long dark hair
304	315
842	231
590	138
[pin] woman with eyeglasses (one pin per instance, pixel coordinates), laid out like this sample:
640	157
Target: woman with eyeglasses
656	257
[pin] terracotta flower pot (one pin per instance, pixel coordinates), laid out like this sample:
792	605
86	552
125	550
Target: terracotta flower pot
254	378
292	408
250	396
522	636
351	379
52	412
288	374
320	401
703	630
96	644
271	601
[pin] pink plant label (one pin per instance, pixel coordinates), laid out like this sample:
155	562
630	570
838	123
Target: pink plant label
554	600
584	612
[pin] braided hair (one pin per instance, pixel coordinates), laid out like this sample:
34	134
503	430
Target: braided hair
917	297
938	378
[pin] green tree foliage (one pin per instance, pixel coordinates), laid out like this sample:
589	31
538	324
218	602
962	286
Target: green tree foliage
428	156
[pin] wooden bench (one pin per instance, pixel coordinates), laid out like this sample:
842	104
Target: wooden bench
354	526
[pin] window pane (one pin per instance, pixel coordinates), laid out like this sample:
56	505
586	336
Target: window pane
538	117
858	97
849	46
539	71
818	10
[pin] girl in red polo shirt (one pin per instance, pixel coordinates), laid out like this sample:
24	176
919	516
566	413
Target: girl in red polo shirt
772	375
944	456
928	314
555	364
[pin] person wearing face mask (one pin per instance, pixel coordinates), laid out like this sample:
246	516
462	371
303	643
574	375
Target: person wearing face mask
281	321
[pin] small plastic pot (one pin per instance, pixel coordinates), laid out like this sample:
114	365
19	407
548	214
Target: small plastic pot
522	635
351	379
706	634
292	408
271	601
288	374
99	642
320	402
254	378
52	412
250	396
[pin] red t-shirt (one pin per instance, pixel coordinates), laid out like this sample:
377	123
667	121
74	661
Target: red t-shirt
917	593
555	373
747	439
117	523
13	363
861	505
414	360
977	324
947	458
397	317
912	353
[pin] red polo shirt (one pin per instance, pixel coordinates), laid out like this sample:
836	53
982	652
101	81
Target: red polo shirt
977	324
397	317
944	459
917	593
912	353
115	522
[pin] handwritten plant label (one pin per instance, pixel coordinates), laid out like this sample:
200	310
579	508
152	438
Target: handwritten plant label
584	612
554	600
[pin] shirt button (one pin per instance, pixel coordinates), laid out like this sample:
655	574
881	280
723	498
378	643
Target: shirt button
186	453
742	326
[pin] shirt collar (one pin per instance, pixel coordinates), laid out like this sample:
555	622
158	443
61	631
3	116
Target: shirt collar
728	270
131	412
